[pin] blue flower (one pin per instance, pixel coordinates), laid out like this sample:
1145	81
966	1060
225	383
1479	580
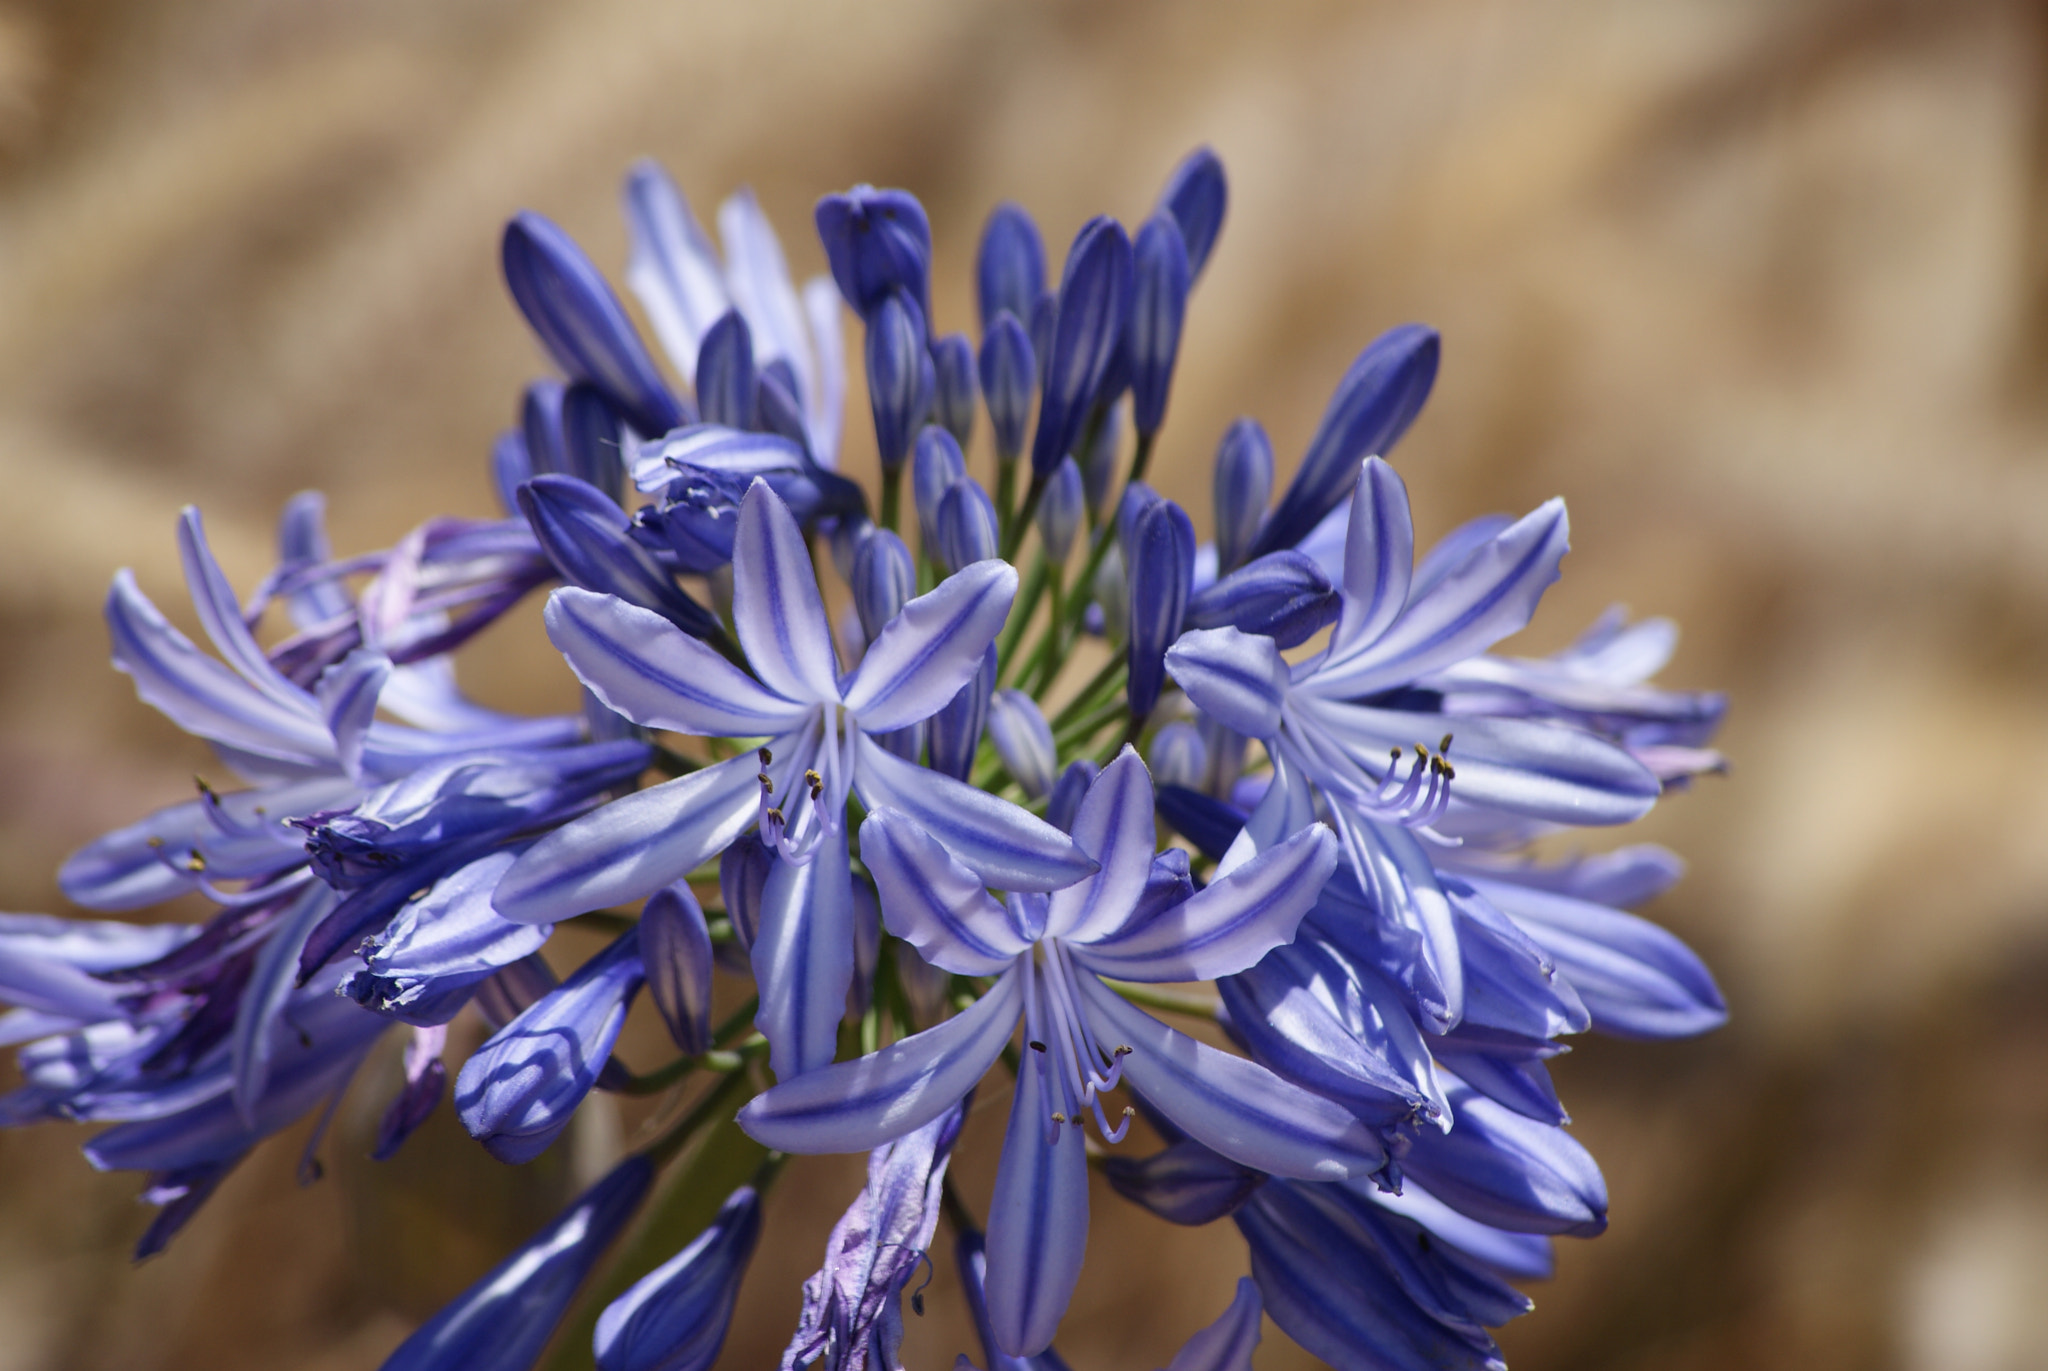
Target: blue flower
675	1317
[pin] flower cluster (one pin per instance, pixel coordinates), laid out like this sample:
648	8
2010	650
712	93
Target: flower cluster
929	829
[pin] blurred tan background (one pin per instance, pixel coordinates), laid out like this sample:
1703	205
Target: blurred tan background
1760	287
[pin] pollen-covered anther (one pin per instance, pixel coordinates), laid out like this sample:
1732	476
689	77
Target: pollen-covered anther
767	758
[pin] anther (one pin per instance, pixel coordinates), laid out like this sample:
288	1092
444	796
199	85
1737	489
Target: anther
1445	745
204	788
813	779
1058	1117
1123	1051
195	862
767	783
156	842
1036	1046
767	757
775	813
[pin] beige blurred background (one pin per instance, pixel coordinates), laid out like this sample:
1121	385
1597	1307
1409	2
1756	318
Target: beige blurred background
1759	287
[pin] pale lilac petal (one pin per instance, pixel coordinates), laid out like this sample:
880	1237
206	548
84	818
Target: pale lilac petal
1229	924
348	693
775	605
220	614
1115	827
1238	679
263	999
1484	599
1412	907
633	846
933	902
1379	555
859	1105
1008	847
824	404
658	676
803	957
671	267
932	648
1286	808
1037	1223
1228	1343
712	447
1233	1106
761	289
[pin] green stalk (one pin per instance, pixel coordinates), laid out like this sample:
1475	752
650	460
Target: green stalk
1020	614
1014	539
1172	1001
892	496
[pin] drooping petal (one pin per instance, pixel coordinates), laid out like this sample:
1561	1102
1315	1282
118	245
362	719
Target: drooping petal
803	956
675	944
1238	679
1114	826
442	947
658	676
264	998
758	276
348	693
1037	1222
1379	558
1509	1171
775	605
1185	1184
584	533
858	1105
671	267
933	902
1226	926
1528	1256
632	847
1227	1344
675	1317
1008	847
1233	1106
932	648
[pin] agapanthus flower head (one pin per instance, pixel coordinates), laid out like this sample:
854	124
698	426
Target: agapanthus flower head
921	824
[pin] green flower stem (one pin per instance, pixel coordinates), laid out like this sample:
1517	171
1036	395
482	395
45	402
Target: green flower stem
1172	1001
892	495
1014	539
1103	684
1020	615
662	1077
1006	496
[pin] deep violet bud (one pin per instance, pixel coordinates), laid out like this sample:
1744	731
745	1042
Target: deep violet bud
1138	497
884	579
1094	303
1009	378
1045	317
514	989
583	532
675	946
1197	196
966	525
1068	792
900	376
517	1092
540	423
725	373
1060	510
675	1317
1243	485
877	241
590	439
1009	270
1178	756
1099	463
1283	595
581	322
955	731
1372	407
503	1321
1161	550
1023	740
954	393
1159	302
935	466
1185	1184
776	408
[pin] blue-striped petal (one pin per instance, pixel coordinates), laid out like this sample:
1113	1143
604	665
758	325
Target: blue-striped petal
1238	679
803	956
775	605
1037	1222
932	648
1379	558
1510	1171
1008	847
933	902
1115	827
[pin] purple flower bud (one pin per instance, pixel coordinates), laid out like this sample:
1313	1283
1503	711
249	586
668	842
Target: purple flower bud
1068	792
1023	740
847	537
1372	407
591	430
503	1321
725	373
966	525
675	1317
1009	271
511	467
1099	464
954	393
584	534
1094	303
540	423
1044	321
1162	568
1178	756
742	877
518	1091
900	376
515	988
581	322
1243	485
1138	497
1185	1184
1159	302
884	579
776	409
1112	592
936	465
1009	378
1197	195
955	731
878	242
675	946
1060	511
1283	595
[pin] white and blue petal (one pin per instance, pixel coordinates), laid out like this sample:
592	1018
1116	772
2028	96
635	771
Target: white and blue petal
933	902
1008	847
1379	556
1114	826
932	648
775	606
1238	679
1037	1222
803	956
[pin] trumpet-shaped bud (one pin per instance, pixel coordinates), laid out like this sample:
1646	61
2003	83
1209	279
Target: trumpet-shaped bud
1162	561
1197	196
591	447
1094	303
935	468
1009	378
725	373
1178	756
955	731
675	946
1060	510
675	1317
1159	302
878	242
954	392
900	376
1243	485
884	579
1283	595
966	525
1099	463
1009	271
1023	740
